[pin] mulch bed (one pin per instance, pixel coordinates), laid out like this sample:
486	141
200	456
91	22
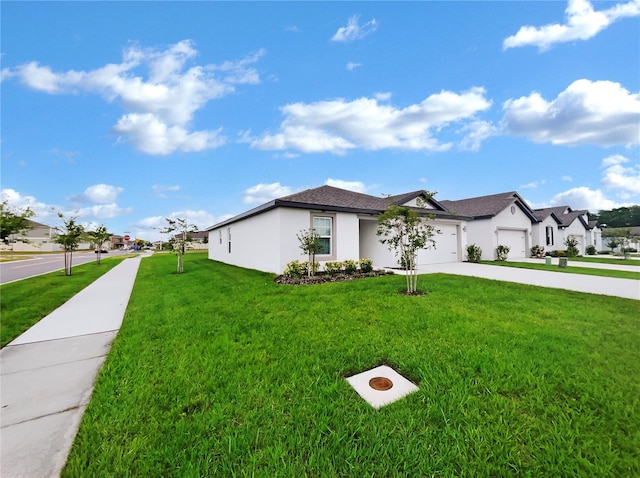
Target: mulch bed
324	278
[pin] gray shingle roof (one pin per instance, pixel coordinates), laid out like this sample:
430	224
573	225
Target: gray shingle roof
329	198
488	206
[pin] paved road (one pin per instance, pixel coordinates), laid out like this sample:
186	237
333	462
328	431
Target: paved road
38	264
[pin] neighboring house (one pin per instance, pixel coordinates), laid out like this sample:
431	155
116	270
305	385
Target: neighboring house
39	237
199	239
265	238
498	219
557	224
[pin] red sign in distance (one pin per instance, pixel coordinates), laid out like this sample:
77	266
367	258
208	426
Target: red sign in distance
126	238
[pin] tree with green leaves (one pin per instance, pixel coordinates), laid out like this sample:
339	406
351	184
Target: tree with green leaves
180	241
97	238
406	232
13	220
620	236
69	239
310	245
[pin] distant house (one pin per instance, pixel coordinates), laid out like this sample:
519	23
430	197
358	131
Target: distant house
498	219
39	237
199	239
265	238
556	224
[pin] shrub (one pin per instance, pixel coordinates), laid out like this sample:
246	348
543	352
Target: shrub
296	269
558	253
572	246
474	253
350	266
333	267
591	250
502	252
366	265
537	250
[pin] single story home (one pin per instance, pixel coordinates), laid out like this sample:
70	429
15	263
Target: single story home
266	238
498	219
556	224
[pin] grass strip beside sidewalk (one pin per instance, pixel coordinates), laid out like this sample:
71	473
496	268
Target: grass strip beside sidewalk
592	271
221	372
23	303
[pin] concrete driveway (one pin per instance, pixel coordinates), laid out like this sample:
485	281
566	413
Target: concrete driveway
626	288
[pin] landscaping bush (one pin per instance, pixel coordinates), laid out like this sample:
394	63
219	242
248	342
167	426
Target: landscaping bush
333	267
296	269
350	266
366	265
537	251
591	250
502	252
474	253
572	246
558	253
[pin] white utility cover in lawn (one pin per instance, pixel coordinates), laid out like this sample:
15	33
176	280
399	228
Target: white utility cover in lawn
401	387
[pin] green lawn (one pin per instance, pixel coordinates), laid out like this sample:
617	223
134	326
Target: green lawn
221	372
25	302
569	270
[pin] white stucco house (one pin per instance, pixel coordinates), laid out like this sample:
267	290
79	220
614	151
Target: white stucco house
265	238
498	219
556	224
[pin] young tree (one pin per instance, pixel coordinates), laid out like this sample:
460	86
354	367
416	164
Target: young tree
181	240
13	221
69	239
310	245
572	246
98	238
405	232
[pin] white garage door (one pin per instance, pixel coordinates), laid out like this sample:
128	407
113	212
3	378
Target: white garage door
516	240
446	249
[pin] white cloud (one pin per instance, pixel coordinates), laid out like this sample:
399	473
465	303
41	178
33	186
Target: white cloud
337	126
160	190
584	198
353	31
100	211
599	112
43	212
624	180
582	23
100	193
532	185
160	108
355	186
353	65
262	193
152	136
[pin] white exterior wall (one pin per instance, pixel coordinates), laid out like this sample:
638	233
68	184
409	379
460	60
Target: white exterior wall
485	232
539	235
256	242
372	248
577	230
446	244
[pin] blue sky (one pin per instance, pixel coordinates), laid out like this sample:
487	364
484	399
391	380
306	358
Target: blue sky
124	114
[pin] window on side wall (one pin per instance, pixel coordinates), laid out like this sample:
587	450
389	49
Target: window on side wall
323	226
549	231
229	238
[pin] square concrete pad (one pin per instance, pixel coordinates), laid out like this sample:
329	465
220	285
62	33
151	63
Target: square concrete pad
379	398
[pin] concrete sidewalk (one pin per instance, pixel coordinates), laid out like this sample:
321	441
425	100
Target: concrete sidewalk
48	373
626	288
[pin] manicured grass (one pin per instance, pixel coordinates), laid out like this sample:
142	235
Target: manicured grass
607	260
592	271
221	372
25	302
